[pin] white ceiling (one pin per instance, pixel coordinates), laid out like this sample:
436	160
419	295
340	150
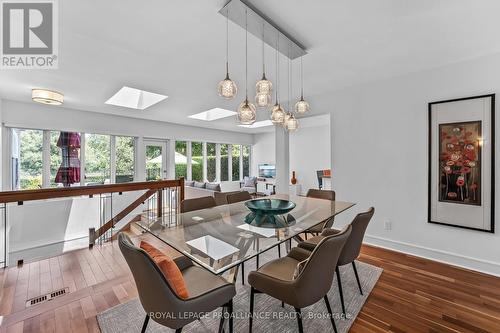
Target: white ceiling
177	48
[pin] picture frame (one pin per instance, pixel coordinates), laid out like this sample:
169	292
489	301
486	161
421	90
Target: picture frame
461	163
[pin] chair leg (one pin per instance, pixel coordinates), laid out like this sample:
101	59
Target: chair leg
221	324
357	277
257	262
299	320
230	311
243	273
279	250
179	330
145	325
252	294
329	308
337	271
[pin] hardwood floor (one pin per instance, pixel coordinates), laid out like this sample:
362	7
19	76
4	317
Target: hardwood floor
412	295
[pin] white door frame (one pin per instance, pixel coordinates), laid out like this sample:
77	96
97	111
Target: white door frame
164	154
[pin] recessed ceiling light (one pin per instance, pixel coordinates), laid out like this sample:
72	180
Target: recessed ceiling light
45	96
257	124
213	114
135	98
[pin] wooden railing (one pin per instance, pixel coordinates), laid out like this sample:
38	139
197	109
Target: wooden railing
151	188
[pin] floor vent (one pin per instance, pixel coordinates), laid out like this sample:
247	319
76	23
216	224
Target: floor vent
46	297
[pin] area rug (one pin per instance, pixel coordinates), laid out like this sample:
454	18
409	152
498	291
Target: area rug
129	317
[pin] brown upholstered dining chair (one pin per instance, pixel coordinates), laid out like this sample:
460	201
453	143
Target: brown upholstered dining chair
325	195
351	249
206	291
238	196
276	278
189	205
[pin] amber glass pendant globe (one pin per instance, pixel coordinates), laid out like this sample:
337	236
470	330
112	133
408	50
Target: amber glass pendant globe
246	114
277	114
263	86
302	106
263	100
227	88
292	124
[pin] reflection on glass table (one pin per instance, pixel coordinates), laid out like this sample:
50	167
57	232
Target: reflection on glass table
220	238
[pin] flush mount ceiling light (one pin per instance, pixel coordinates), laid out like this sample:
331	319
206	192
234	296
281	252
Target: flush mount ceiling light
45	96
135	98
213	114
246	111
258	124
227	88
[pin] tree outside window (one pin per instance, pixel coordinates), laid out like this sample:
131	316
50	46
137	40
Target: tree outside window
211	162
236	162
197	161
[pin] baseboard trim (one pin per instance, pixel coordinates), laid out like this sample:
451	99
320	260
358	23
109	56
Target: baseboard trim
479	265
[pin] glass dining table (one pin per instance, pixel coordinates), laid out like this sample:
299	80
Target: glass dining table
221	238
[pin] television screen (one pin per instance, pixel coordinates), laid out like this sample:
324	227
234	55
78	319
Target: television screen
267	170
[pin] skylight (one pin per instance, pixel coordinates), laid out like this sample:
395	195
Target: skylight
135	98
213	114
257	124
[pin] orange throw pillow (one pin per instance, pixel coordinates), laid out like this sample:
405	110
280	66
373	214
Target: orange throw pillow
169	269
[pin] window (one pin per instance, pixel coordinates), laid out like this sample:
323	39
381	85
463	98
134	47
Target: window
27	159
180	159
197	161
65	159
246	161
236	162
97	159
224	163
125	159
211	162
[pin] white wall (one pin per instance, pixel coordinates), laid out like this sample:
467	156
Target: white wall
379	158
310	151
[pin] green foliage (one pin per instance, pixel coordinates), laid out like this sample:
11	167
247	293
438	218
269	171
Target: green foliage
30	159
124	156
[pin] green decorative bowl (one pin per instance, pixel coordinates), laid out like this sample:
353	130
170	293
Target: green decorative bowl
270	213
270	206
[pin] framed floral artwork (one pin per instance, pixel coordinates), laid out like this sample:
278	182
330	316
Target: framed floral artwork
461	162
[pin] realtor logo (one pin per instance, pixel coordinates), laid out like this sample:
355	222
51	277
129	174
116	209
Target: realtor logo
29	34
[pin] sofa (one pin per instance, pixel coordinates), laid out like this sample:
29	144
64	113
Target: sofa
194	189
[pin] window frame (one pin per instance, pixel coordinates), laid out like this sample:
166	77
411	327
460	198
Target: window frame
46	155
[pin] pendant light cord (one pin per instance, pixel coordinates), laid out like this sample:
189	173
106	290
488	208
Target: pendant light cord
246	56
263	55
301	80
289	79
227	42
277	67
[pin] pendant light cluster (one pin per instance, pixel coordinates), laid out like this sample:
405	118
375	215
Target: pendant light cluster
246	112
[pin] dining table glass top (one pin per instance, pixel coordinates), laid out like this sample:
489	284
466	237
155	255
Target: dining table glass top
222	237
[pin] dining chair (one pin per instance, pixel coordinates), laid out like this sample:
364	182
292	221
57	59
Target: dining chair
350	251
239	196
207	291
189	205
282	278
325	195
